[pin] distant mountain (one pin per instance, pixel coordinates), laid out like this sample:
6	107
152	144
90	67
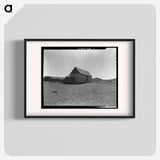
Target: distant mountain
53	79
103	80
61	79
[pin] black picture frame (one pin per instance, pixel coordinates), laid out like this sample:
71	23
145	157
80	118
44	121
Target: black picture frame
25	76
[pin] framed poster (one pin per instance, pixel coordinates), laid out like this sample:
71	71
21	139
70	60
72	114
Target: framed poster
79	78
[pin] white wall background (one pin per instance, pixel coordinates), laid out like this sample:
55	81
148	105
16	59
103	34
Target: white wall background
81	136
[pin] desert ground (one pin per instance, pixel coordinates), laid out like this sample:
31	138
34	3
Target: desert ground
96	94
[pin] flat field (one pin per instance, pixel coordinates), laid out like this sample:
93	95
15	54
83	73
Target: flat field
96	94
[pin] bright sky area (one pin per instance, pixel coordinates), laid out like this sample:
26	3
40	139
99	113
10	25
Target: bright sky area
100	63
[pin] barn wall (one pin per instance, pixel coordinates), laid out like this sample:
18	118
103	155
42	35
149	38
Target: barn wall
67	80
79	78
90	79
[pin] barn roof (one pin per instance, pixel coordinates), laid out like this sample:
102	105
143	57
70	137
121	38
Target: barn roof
82	71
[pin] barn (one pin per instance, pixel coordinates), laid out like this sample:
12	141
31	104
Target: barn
78	76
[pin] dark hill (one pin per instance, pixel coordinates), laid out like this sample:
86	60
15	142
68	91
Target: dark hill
53	79
103	80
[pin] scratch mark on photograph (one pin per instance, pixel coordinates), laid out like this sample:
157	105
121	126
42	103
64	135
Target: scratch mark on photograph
79	77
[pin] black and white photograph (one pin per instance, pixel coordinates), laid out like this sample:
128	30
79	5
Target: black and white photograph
80	77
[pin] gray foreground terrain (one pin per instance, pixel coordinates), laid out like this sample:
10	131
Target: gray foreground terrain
99	93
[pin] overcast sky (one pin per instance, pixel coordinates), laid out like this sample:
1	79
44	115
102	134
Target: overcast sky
100	63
